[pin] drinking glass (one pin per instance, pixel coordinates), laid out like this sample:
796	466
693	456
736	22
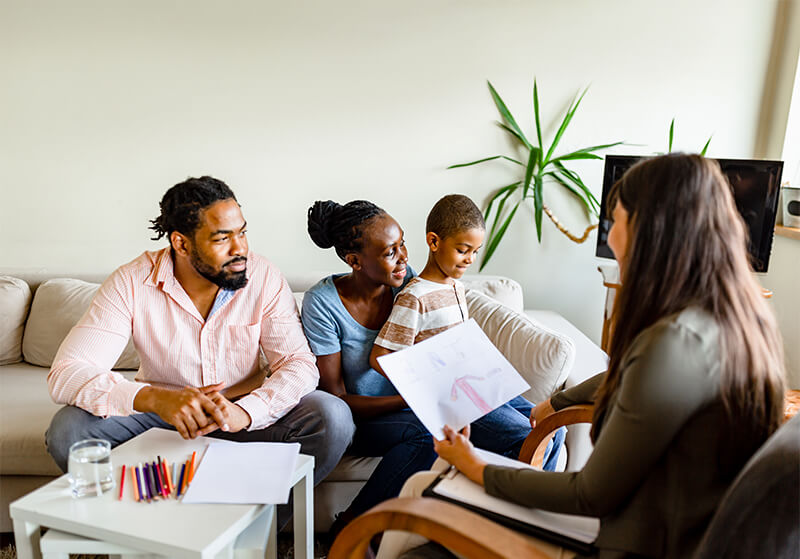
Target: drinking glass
90	470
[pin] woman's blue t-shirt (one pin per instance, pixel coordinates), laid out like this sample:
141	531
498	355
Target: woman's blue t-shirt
330	328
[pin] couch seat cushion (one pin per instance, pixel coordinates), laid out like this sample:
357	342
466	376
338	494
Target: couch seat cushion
56	308
25	413
15	300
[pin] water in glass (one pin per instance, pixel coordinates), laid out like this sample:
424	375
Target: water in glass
90	470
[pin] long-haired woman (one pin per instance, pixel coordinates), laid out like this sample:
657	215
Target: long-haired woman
696	374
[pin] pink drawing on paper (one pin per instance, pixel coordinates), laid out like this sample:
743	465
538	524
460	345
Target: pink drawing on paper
471	393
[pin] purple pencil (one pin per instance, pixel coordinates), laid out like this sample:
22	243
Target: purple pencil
139	483
147	482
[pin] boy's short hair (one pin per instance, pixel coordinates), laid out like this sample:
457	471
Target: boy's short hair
452	214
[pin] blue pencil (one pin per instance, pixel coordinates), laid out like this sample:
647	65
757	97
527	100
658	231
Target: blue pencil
180	482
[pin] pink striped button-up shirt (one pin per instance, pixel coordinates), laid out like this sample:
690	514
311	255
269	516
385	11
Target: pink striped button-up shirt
178	348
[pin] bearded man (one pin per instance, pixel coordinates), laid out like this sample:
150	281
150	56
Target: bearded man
201	312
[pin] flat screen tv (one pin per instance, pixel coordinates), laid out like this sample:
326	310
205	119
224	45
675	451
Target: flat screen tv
755	185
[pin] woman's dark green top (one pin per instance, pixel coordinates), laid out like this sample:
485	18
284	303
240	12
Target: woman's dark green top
664	455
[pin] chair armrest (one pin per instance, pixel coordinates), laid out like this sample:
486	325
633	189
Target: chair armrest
459	530
531	453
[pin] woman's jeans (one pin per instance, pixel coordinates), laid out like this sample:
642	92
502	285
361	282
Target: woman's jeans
504	430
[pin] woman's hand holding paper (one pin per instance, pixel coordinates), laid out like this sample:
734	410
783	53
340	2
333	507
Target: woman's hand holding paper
456	449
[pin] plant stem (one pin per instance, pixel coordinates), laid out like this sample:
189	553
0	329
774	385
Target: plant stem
564	230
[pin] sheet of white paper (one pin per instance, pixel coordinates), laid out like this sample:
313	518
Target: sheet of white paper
460	488
244	473
453	378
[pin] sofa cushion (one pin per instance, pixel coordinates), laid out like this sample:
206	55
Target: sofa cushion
543	357
25	413
15	300
57	306
503	290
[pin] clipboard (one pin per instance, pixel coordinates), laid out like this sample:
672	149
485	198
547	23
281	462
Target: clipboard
549	535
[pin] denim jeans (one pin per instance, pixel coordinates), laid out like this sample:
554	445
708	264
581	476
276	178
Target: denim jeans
320	422
504	430
406	447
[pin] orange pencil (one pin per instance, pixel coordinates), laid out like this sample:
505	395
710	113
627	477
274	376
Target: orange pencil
121	482
167	477
133	483
191	466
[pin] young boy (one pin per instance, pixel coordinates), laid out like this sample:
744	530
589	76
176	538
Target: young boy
435	300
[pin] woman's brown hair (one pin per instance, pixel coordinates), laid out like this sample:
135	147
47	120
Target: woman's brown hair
688	248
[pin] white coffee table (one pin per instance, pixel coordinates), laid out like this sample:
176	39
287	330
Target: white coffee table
168	527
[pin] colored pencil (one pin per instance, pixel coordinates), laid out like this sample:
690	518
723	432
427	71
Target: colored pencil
191	467
185	485
180	483
153	482
121	482
175	476
148	476
157	477
166	475
144	490
135	482
160	466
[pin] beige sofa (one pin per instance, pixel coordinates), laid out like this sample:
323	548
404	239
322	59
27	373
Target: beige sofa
38	307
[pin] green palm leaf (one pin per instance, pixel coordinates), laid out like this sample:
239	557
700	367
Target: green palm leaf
538	205
564	124
705	147
506	114
533	158
486	159
671	133
494	241
497	194
536	118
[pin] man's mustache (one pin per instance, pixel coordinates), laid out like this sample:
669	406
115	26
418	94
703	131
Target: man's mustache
235	260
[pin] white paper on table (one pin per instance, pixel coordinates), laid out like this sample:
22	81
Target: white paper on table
453	378
244	473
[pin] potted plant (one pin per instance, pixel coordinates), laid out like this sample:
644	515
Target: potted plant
539	165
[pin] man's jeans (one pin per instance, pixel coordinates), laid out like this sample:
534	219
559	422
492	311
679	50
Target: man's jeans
320	422
504	430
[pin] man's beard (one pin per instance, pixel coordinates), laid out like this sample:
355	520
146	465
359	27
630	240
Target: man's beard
222	278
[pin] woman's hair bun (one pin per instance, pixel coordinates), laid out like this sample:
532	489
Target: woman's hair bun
319	221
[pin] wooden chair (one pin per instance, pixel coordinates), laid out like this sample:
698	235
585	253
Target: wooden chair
758	517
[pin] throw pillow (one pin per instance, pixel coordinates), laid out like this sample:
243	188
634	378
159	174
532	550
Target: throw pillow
15	299
57	306
544	358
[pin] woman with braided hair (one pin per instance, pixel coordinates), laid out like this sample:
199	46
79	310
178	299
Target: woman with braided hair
342	315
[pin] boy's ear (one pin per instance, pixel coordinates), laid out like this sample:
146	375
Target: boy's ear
353	261
433	241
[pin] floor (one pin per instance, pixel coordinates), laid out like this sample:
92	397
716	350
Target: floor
285	548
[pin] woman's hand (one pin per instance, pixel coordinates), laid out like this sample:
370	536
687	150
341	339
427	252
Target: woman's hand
542	410
456	449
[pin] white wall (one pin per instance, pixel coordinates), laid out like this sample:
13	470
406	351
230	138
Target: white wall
104	105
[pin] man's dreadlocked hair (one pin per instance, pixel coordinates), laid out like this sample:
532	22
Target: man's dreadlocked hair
182	204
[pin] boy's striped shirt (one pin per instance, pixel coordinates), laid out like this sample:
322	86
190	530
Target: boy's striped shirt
423	309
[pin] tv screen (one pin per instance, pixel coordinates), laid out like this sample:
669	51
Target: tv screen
755	185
